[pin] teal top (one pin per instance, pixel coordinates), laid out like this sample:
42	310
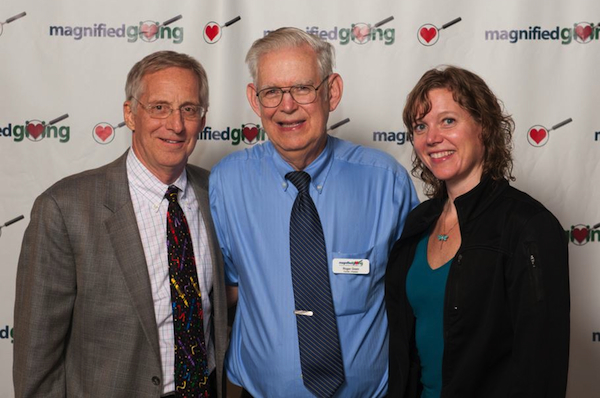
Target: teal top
425	289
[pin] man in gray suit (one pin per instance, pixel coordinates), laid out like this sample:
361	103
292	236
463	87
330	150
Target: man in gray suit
94	315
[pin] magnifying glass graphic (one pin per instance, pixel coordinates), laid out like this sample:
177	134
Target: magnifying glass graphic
149	29
11	19
252	133
583	32
10	222
212	30
429	34
538	135
104	133
580	234
361	32
338	124
37	128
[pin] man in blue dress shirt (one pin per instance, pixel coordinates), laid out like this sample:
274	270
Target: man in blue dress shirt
362	196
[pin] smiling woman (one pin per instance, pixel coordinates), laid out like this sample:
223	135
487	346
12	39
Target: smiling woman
481	268
448	142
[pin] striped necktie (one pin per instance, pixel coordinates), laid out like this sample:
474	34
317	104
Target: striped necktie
318	340
191	366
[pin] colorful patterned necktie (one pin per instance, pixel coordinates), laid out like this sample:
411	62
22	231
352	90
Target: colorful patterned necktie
318	340
191	367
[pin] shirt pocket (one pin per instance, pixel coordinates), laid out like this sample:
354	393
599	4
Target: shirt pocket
351	292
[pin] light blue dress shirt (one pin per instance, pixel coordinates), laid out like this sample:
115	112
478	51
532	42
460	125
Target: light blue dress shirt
363	196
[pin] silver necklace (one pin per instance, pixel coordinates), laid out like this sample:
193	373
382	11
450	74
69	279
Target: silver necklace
444	236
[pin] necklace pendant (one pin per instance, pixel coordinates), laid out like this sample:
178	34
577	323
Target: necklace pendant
442	237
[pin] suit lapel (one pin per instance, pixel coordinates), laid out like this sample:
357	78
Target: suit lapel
201	191
125	237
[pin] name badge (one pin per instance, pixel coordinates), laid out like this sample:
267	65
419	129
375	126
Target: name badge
360	266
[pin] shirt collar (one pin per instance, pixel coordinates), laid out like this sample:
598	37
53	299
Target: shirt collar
146	183
318	169
469	206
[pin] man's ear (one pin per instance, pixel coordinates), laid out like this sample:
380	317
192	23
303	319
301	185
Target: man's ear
129	115
252	98
336	88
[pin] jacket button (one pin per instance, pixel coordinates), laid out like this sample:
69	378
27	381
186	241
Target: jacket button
155	380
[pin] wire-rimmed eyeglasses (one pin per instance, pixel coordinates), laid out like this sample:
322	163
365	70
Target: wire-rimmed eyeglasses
163	111
303	94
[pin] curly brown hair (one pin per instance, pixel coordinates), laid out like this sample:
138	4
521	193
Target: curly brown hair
474	96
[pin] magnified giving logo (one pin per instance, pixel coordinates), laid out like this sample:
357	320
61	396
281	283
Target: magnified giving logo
149	29
539	135
581	234
429	34
362	33
583	32
104	133
37	130
213	31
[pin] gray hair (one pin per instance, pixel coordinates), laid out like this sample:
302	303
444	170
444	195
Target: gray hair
290	38
162	60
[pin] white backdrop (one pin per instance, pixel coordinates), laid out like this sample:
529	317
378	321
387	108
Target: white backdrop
63	66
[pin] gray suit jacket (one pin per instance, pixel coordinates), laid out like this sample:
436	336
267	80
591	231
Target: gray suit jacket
84	314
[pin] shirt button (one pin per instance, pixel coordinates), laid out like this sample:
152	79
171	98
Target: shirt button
155	380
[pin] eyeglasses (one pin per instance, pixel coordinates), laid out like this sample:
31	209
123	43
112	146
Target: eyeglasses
303	94
163	111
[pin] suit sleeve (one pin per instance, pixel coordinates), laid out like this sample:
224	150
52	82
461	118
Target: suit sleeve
45	295
538	293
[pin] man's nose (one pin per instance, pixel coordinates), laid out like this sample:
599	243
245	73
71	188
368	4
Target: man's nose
288	103
175	121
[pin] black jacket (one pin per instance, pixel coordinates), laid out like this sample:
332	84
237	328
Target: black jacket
506	306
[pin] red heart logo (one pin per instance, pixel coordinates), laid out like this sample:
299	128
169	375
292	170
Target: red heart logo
149	30
428	34
538	135
361	32
250	133
35	130
103	132
580	234
583	33
211	31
